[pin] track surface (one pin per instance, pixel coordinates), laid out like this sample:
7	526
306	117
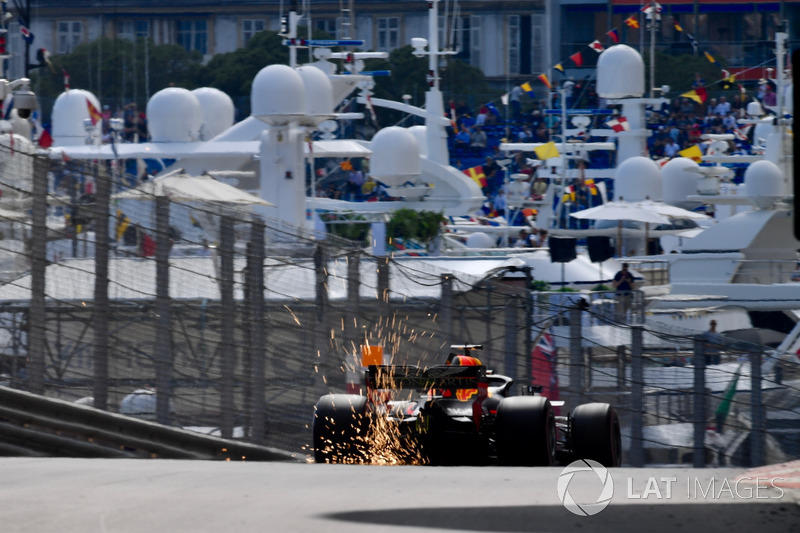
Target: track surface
151	496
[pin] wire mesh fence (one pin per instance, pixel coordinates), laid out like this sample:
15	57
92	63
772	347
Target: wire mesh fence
214	317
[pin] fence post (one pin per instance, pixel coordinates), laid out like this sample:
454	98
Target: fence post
100	319
383	286
576	355
322	337
758	423
510	362
37	317
637	397
257	330
446	310
353	300
164	328
528	302
699	361
227	344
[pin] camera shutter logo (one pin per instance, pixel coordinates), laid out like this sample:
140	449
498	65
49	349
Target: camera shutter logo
585	509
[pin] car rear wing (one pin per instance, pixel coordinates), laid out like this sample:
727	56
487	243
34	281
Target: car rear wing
423	379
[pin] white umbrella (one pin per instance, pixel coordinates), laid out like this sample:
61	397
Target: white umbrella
180	186
671	211
621	211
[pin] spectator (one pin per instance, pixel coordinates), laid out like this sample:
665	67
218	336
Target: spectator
478	139
462	140
623	285
500	203
723	107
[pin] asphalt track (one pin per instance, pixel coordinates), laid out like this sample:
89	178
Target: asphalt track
153	496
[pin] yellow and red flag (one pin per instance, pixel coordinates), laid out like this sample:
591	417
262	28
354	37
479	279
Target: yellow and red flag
699	95
693	152
477	175
543	79
632	22
94	114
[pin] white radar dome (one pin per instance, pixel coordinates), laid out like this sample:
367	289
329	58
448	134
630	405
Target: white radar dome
70	110
480	240
421	135
278	95
395	156
319	94
218	111
174	115
764	183
637	178
620	73
679	178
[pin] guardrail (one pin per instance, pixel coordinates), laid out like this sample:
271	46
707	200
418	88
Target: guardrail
33	425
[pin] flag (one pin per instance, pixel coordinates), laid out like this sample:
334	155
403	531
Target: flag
693	152
504	99
148	246
619	124
693	41
569	194
453	121
728	80
699	95
709	57
94	114
676	25
122	225
372	110
546	151
25	31
45	139
559	68
476	174
632	22
493	109
543	361
528	89
613	35
543	79
346	165
725	405
194	221
596	46
66	79
742	133
577	58
589	182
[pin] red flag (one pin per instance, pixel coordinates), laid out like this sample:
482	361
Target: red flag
94	114
619	124
543	372
596	46
45	139
148	246
477	175
66	79
577	58
613	35
632	22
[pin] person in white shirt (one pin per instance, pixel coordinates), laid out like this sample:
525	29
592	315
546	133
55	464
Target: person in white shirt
723	107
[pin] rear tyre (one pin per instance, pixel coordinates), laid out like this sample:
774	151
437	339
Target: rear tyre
340	428
595	434
525	431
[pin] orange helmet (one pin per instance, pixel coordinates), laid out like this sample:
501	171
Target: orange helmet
465	360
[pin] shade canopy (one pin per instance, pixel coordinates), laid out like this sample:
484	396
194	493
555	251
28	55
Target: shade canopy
622	211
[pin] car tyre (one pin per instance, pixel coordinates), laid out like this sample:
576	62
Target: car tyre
525	431
595	434
340	427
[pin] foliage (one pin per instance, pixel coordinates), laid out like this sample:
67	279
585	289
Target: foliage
352	231
422	226
566	289
601	288
540	285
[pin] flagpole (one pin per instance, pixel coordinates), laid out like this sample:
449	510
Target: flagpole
652	49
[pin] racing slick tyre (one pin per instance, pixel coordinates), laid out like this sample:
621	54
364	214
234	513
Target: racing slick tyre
340	428
595	434
525	431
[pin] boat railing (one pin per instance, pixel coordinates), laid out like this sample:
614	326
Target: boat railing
654	271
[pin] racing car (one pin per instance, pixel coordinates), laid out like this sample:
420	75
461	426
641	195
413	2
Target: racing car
459	412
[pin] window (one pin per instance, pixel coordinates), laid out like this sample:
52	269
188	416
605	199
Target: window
461	40
69	35
388	33
250	27
513	44
329	26
133	29
475	41
193	35
537	43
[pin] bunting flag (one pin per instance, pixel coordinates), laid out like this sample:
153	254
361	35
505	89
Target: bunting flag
577	58
693	152
371	109
698	94
632	22
559	68
122	225
546	151
453	121
741	133
693	41
613	35
709	57
569	194
589	182
194	221
66	78
94	114
619	124
528	89
596	46
504	99
477	175
493	109
676	26
346	165
25	31
728	80
45	139
543	79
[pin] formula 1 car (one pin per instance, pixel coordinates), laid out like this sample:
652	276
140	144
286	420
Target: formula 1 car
458	413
